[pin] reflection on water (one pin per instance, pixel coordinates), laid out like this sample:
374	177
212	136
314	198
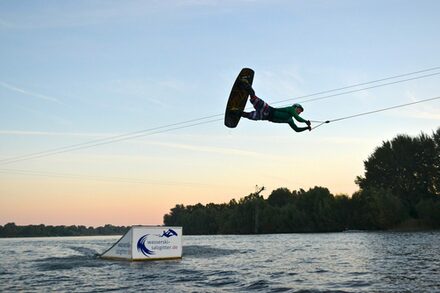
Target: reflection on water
339	262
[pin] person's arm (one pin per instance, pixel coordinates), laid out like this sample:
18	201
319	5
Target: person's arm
297	117
296	128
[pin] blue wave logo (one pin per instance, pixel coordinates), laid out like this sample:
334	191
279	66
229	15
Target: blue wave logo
169	233
142	247
142	242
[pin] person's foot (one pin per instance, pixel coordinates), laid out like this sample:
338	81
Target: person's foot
236	112
247	86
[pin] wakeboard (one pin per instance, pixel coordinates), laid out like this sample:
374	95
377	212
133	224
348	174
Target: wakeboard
238	98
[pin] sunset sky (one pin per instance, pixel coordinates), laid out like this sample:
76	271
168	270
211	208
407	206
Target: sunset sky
74	72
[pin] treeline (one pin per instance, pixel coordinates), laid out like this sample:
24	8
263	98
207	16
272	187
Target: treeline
401	186
12	230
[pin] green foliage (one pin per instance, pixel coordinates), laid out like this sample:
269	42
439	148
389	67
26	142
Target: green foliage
283	212
377	209
408	167
280	197
12	230
429	211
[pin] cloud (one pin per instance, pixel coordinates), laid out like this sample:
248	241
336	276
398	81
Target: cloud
217	150
347	141
5	24
93	177
220	150
92	13
283	83
26	92
421	114
141	89
427	111
46	133
56	17
427	108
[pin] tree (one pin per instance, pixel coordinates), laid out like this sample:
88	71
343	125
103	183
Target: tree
280	197
343	212
408	167
429	211
317	206
436	163
174	218
249	213
376	208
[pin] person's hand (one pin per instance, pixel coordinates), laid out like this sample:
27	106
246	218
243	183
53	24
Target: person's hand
308	123
309	127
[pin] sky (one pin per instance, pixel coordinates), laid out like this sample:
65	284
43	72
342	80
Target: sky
74	72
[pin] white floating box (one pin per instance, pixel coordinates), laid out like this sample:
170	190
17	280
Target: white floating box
147	243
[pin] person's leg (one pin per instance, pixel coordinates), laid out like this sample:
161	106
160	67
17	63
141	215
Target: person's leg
261	109
260	106
251	115
258	103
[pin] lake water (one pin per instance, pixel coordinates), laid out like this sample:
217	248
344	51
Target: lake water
333	262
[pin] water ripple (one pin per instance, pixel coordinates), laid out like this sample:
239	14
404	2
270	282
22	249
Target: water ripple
67	263
207	251
339	262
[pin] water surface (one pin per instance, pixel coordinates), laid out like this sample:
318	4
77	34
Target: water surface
335	262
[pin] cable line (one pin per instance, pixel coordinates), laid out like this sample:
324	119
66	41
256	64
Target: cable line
175	126
376	111
98	143
365	83
354	91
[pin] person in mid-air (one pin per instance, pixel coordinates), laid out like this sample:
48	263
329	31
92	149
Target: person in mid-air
278	115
